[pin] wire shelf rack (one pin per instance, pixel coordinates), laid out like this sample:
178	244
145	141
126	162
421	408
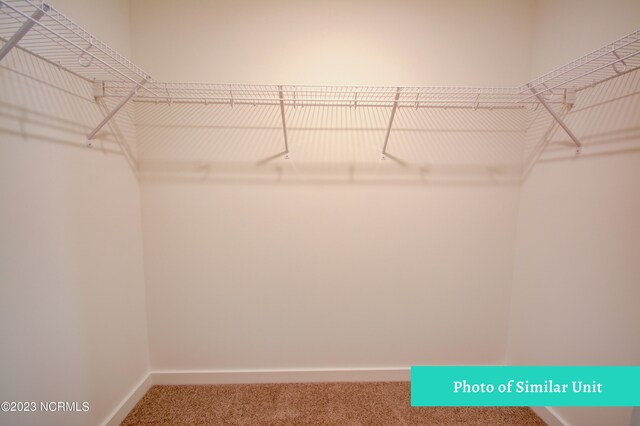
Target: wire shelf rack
616	58
337	96
41	30
53	37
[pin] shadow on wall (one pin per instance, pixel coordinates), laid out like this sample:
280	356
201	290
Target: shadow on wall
605	118
211	143
218	143
328	145
40	102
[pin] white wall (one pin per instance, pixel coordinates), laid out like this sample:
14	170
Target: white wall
576	289
334	258
72	316
374	42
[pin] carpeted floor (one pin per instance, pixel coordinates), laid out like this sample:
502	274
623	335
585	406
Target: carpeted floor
385	403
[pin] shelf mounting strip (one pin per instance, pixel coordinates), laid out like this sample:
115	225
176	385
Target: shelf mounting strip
41	30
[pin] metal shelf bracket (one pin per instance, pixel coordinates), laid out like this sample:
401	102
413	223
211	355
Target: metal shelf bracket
393	114
24	29
113	112
558	120
284	123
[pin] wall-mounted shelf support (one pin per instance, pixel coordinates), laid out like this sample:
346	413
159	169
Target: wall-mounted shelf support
24	29
558	120
113	112
393	114
284	123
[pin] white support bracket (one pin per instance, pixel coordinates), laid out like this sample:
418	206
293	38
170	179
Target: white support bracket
113	112
558	120
24	29
97	87
284	123
393	114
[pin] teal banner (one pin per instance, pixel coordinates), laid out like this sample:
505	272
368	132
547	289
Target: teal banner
525	386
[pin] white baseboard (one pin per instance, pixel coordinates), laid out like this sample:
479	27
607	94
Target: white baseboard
215	377
549	416
127	404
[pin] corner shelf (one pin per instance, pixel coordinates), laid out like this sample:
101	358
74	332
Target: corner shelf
615	59
60	41
41	30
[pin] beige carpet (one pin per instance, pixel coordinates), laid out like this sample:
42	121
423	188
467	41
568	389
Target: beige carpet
385	403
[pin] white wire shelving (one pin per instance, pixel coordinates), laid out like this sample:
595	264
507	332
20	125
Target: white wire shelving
349	96
36	27
55	38
616	58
